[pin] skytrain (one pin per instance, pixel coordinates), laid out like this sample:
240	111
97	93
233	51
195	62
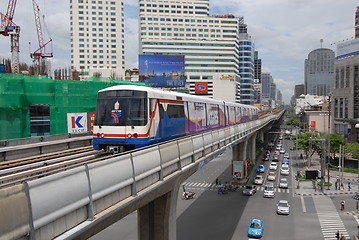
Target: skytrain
129	117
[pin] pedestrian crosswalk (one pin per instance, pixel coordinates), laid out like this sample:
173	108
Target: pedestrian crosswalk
330	221
214	187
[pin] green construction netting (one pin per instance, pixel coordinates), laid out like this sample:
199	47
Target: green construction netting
18	92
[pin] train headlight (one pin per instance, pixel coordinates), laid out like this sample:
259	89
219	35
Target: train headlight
102	135
129	135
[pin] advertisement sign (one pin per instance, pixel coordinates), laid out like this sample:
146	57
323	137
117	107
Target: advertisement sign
91	120
164	71
238	169
201	87
227	77
313	124
76	122
348	48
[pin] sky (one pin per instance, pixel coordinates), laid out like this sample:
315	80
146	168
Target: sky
284	32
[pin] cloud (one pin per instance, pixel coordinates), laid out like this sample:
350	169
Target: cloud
284	31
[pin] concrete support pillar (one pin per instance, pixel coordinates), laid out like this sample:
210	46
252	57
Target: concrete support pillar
157	219
252	148
235	152
239	153
260	135
243	151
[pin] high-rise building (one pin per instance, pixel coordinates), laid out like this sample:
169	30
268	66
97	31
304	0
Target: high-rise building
266	85
319	72
257	87
345	95
357	23
210	44
257	83
279	97
257	67
273	91
97	38
246	66
298	90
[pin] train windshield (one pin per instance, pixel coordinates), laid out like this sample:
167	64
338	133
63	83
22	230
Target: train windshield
121	108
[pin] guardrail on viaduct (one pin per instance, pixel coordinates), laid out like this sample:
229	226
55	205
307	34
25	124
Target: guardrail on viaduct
51	206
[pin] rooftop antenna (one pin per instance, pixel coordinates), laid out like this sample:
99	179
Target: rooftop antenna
321	43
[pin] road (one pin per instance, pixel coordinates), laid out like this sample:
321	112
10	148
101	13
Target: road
215	216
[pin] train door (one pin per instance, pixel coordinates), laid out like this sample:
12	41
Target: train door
162	123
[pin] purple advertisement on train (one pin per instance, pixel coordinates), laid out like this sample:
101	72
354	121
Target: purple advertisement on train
165	71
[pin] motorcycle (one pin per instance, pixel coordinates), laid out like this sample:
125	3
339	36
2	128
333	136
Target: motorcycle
356	197
188	195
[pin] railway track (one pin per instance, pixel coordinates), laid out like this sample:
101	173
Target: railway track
43	157
17	171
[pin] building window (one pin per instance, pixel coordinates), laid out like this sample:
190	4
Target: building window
39	120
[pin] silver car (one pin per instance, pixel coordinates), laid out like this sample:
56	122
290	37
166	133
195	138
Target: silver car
258	180
249	190
283	183
269	191
283	207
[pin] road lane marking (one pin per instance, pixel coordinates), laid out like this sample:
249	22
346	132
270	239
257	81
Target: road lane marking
303	204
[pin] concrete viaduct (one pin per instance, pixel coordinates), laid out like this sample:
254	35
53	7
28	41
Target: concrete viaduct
80	202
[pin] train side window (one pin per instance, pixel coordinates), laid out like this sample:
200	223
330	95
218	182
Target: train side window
175	111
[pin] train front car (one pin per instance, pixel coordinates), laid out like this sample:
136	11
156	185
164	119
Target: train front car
121	120
129	117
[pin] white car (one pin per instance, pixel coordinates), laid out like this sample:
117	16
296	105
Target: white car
283	183
282	151
269	191
271	176
284	170
273	166
283	207
258	180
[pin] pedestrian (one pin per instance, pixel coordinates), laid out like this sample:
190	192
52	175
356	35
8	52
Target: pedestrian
349	186
342	204
342	186
217	181
336	185
342	237
337	234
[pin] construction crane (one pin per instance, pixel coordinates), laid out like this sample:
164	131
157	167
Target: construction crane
9	28
41	53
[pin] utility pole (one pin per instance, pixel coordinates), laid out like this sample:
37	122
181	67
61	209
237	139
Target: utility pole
296	155
329	156
322	162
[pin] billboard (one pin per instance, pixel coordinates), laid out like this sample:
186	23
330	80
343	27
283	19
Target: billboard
201	87
313	124
166	71
76	122
238	169
348	48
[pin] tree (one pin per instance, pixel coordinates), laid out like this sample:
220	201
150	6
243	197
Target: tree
335	141
306	143
352	149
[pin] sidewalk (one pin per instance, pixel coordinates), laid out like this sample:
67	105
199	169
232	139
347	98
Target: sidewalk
306	187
